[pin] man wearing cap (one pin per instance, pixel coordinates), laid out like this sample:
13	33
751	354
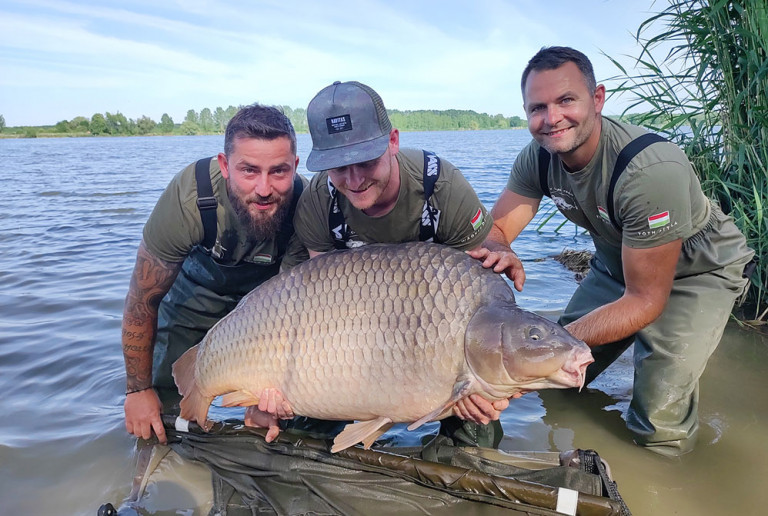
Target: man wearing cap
369	190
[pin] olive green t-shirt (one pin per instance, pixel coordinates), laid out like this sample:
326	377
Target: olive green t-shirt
463	221
658	181
657	199
175	227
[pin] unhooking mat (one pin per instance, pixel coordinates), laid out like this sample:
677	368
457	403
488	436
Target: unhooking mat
297	475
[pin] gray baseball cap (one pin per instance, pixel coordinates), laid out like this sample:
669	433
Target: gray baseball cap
348	124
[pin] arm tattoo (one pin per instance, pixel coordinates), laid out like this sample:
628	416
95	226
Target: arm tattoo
151	280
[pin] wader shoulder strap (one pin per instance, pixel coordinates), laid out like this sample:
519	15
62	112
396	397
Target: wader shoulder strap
298	189
336	223
287	229
206	202
631	150
428	228
340	231
544	158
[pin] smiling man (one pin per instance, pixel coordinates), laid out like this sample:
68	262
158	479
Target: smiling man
369	190
221	227
668	264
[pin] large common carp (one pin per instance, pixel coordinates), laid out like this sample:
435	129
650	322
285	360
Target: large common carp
379	334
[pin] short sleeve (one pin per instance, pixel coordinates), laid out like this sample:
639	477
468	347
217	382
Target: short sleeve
464	222
653	205
173	229
524	177
311	218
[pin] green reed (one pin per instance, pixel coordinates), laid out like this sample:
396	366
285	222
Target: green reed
702	82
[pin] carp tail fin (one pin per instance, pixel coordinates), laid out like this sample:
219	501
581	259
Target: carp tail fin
194	405
364	431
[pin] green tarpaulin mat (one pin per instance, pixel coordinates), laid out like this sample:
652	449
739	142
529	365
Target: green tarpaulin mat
297	475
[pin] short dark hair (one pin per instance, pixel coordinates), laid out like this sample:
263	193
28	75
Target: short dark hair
549	58
258	121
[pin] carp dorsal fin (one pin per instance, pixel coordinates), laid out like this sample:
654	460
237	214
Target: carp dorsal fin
363	431
461	389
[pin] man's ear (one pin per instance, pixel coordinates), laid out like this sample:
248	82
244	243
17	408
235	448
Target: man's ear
224	166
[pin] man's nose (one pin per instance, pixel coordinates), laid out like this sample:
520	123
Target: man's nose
355	177
554	115
263	186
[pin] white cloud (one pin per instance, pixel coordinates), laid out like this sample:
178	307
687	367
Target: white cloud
152	57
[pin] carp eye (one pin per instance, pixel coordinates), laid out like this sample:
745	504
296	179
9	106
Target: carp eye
535	333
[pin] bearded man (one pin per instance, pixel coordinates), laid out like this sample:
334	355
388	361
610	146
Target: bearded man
222	227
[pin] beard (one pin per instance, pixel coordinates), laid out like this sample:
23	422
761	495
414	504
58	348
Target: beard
260	226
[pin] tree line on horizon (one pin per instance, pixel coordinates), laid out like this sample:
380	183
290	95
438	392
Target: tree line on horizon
215	121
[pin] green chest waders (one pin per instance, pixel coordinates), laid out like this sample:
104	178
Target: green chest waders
204	292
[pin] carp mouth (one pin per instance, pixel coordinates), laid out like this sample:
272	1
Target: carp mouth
571	374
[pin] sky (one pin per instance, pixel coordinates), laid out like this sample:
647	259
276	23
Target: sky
65	58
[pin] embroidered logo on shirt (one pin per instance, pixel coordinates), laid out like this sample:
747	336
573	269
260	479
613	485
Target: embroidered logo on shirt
603	214
562	204
477	220
659	220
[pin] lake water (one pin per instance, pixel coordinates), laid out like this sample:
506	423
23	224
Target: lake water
71	214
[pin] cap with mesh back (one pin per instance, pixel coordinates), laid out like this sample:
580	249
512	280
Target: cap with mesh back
348	124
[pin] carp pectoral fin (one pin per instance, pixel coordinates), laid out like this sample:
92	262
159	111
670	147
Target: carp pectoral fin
432	415
239	399
460	390
361	431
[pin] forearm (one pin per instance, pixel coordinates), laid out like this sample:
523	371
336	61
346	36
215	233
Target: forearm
139	329
649	274
496	241
615	321
151	280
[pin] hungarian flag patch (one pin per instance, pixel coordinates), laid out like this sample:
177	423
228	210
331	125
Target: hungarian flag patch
603	213
477	220
659	220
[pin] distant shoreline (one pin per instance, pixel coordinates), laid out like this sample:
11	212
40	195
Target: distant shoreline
208	122
45	134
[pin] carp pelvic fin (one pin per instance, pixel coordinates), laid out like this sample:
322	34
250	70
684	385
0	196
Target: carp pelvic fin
460	390
365	432
194	406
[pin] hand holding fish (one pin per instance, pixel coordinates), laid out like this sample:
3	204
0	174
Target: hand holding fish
502	260
478	409
271	409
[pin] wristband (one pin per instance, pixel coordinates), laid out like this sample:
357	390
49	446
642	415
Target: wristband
137	390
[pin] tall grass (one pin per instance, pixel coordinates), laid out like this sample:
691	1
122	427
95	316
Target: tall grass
703	70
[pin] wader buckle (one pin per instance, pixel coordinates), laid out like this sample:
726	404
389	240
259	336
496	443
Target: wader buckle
207	203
